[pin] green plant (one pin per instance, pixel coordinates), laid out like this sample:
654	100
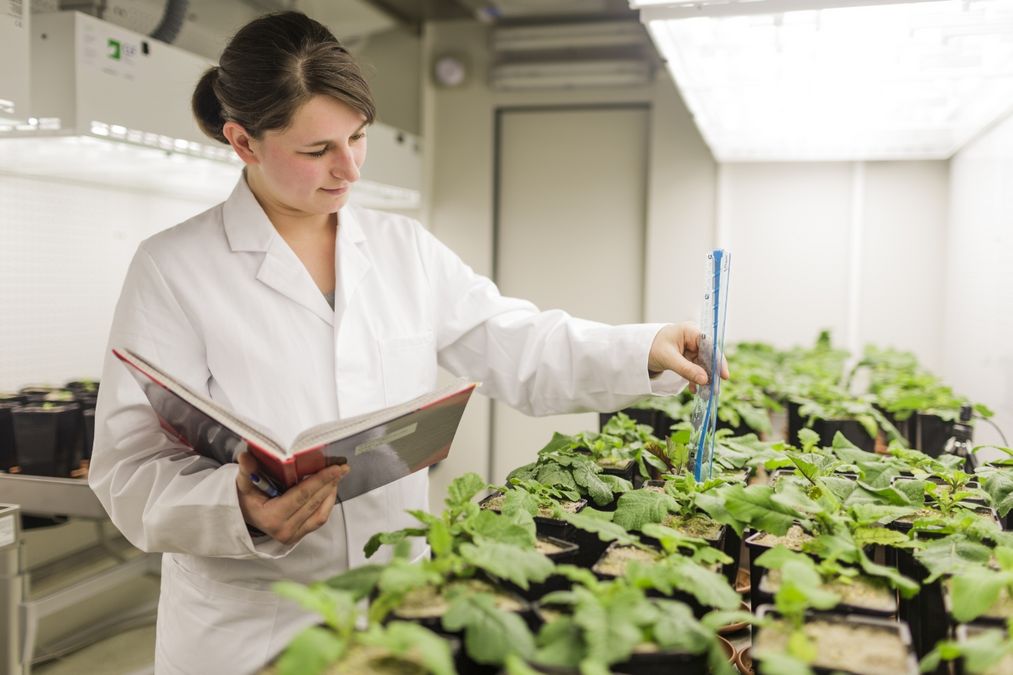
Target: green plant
981	653
317	648
600	623
574	474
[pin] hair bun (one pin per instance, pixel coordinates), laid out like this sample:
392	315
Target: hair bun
207	108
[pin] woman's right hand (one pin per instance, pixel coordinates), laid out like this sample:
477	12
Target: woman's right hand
295	513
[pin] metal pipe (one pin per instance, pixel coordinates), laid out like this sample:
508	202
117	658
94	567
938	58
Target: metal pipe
172	21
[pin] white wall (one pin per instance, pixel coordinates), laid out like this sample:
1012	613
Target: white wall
64	250
977	330
855	248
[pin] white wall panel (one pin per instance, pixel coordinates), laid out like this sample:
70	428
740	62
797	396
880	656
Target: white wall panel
788	228
903	235
64	250
978	299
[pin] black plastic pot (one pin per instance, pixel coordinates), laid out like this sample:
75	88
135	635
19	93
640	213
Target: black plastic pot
897	627
555	582
36	393
464	663
795	422
47	438
548	527
626	470
8	450
89	431
755	550
850	429
931	433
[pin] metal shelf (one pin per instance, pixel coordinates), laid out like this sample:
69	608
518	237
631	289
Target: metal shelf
48	496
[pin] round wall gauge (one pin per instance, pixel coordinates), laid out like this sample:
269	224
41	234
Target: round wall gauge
449	70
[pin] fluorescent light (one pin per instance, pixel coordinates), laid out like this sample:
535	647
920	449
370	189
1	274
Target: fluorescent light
886	81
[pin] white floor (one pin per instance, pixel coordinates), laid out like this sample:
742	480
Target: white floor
129	653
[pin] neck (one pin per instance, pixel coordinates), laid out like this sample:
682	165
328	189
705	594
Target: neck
290	223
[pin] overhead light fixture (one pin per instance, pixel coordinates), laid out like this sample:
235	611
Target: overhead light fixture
840	79
570	74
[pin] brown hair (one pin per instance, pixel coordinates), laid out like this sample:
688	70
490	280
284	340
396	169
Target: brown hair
271	67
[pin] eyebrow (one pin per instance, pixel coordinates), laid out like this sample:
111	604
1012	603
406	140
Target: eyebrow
328	142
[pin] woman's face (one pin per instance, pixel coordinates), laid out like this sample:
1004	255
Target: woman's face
309	167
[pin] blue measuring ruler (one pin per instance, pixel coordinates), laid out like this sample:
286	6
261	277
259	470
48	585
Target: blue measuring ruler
711	351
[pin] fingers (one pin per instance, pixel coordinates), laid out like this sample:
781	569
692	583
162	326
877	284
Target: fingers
303	508
689	370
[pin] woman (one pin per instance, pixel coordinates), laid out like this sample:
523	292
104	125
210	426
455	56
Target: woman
293	308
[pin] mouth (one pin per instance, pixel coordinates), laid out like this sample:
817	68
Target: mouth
334	192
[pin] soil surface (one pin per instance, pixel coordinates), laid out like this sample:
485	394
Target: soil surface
429	602
855	648
694	526
793	539
546	547
861	592
618	557
496	504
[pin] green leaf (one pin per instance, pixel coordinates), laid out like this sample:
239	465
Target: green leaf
777	557
311	652
975	591
518	565
952	555
586	476
907	587
871	513
608	633
415	643
560	643
808	438
463	489
755	506
999	486
440	539
515	665
359	581
490	634
783	664
390	538
496	527
677	629
640	507
791	497
710	588
401	576
605	529
336	607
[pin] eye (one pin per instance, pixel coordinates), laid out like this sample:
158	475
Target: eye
318	153
358	136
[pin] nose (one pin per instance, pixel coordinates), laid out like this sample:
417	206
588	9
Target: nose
344	166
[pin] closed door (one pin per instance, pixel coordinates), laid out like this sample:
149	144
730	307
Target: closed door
571	187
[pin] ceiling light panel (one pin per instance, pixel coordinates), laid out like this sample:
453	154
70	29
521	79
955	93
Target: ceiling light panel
882	81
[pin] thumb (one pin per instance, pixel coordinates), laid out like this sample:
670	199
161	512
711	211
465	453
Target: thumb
247	463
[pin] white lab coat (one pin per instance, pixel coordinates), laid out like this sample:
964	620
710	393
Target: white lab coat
223	303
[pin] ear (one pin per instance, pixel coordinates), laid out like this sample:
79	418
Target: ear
241	142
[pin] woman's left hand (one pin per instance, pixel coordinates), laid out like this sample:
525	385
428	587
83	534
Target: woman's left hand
676	347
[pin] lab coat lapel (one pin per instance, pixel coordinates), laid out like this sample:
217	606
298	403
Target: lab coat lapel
351	261
248	228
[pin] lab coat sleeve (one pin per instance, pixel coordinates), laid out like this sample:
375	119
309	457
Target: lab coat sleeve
162	496
540	362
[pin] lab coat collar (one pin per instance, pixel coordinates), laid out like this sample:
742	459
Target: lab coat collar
248	228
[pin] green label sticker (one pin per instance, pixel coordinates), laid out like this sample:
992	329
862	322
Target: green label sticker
114	49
